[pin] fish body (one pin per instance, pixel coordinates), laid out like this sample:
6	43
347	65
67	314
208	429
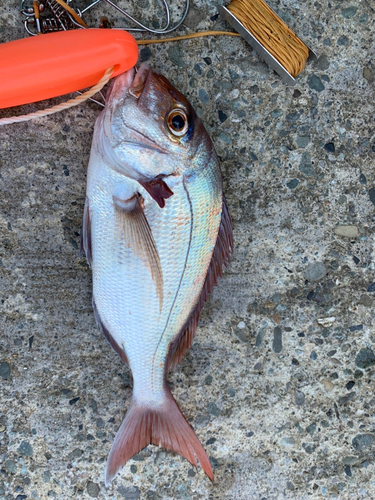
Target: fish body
156	233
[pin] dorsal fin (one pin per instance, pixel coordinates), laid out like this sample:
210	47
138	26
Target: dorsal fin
220	257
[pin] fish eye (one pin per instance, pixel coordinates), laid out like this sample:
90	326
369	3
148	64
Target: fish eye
177	122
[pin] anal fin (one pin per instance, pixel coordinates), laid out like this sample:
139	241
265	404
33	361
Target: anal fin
220	257
107	335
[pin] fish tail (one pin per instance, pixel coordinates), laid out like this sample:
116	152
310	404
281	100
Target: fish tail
163	425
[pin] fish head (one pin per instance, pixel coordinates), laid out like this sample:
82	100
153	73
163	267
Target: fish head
150	129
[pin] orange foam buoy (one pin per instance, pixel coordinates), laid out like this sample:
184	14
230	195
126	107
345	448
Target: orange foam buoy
41	67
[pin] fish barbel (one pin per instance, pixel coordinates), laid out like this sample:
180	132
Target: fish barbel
156	232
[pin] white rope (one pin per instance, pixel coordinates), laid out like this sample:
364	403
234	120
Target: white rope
60	107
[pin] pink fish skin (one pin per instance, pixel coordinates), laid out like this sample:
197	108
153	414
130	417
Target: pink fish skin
156	232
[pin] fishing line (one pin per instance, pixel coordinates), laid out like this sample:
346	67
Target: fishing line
187	37
272	33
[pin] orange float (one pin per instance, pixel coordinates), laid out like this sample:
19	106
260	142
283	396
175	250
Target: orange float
45	66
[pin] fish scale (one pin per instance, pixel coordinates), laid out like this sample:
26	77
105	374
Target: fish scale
154	209
123	284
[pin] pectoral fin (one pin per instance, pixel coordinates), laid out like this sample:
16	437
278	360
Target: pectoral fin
137	235
158	190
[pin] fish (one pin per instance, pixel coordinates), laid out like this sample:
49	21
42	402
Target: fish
156	233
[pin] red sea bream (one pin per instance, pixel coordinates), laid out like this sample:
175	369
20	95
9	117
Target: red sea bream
156	233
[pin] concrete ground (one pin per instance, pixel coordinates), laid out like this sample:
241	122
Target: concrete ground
279	383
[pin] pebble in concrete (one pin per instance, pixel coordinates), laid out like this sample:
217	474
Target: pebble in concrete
277	344
348	231
93	489
25	449
315	271
4	370
363	441
365	358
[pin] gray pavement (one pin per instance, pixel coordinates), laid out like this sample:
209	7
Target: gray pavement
279	382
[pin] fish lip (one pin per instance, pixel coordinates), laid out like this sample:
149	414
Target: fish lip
121	82
133	82
139	81
144	146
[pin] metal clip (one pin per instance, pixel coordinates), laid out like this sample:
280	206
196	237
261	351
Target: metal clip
47	17
50	16
142	27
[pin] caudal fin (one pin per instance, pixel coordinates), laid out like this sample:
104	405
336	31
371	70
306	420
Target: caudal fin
164	426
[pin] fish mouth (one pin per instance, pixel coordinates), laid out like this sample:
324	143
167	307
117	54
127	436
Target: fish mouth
131	85
119	84
140	80
130	82
144	142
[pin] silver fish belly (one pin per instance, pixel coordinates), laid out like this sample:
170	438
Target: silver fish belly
156	233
